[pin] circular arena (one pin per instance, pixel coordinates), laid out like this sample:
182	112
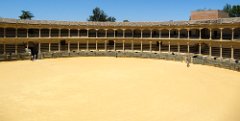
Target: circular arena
110	88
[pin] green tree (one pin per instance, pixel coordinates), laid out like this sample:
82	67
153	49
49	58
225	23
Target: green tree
233	11
26	15
125	20
100	15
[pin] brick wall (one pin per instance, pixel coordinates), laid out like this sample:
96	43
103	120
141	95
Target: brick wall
210	14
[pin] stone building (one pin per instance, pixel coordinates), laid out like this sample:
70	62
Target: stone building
218	38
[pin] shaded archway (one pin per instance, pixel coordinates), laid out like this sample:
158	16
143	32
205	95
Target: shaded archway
155	33
73	33
33	32
110	33
92	33
194	33
164	33
128	33
237	33
64	32
205	33
10	32
216	33
22	32
137	33
119	33
146	33
174	33
55	32
227	34
44	32
83	33
183	33
101	33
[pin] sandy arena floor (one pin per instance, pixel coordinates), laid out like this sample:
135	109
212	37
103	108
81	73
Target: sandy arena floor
117	89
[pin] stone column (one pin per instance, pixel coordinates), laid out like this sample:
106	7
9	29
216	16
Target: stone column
160	33
132	46
220	50
151	33
49	47
68	46
114	45
169	33
69	33
59	33
96	33
59	46
232	34
87	48
123	45
210	50
188	31
106	32
96	45
27	33
188	49
141	46
150	46
114	34
39	48
210	34
78	33
200	49
221	34
141	33
87	33
105	45
16	32
50	30
78	46
179	33
232	52
4	32
200	33
169	47
40	33
123	33
159	46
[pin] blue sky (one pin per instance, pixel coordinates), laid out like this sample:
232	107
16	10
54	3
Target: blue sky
132	10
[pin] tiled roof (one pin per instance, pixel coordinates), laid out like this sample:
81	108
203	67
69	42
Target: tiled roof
167	23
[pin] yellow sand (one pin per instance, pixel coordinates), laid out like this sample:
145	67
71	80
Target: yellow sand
117	89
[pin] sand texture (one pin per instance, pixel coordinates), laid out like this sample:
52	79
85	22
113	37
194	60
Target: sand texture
117	89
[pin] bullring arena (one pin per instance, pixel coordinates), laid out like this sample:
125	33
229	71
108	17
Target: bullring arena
106	71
